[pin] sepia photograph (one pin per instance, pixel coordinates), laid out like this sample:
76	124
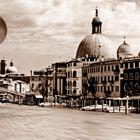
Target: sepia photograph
69	70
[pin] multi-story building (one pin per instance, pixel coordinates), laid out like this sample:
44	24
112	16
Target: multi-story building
74	76
101	79
130	80
59	78
36	79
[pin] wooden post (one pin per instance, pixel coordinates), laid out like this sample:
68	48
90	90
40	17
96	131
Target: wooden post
138	105
95	103
126	110
102	105
113	107
132	105
109	103
119	106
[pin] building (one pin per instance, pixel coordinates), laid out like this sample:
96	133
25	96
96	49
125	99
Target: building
101	79
95	73
3	66
59	80
49	82
130	80
95	45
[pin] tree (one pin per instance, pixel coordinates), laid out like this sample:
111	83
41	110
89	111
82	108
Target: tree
91	86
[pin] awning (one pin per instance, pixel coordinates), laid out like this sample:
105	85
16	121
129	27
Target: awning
39	96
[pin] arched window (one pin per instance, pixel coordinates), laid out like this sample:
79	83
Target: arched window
74	74
74	91
74	83
126	87
131	86
137	86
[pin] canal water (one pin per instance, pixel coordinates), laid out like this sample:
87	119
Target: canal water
18	122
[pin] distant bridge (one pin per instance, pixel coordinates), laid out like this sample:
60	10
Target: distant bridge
11	95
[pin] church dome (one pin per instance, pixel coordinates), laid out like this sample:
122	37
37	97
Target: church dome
95	45
124	50
11	68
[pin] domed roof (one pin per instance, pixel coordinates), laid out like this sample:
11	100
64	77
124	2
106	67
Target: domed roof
124	50
94	45
11	68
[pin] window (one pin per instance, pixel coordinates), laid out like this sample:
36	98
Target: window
136	64
117	67
121	65
74	74
96	29
101	89
104	68
74	91
32	79
117	88
108	88
68	84
131	86
98	79
126	65
98	69
137	86
108	68
104	88
131	76
68	74
74	64
116	78
101	69
126	87
112	67
74	83
112	88
101	78
112	78
131	65
137	76
125	76
108	78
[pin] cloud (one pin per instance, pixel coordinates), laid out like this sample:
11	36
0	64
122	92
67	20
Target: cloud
48	29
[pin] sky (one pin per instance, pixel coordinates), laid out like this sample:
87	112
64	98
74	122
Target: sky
42	32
